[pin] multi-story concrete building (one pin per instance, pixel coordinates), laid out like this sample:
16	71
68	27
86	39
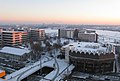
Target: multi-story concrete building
1	37
70	33
89	57
88	37
65	33
115	48
36	34
13	38
82	35
61	33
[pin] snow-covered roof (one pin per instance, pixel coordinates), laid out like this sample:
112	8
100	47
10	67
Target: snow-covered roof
51	30
14	51
89	47
14	31
88	33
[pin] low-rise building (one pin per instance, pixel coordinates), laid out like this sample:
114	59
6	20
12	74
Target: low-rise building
17	54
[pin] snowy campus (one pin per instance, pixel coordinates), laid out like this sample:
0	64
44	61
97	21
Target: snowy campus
59	40
62	55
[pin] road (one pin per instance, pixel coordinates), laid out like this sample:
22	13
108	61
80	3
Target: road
18	79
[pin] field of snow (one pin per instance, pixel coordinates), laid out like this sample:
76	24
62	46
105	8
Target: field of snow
108	36
104	35
51	32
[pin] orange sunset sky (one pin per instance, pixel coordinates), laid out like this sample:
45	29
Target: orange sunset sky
60	11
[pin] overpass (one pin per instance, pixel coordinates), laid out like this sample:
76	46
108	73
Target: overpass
29	70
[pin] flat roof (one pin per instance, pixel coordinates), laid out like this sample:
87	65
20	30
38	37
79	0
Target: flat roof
37	29
87	47
87	33
14	31
14	51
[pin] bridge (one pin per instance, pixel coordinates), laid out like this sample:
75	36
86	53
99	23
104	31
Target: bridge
58	69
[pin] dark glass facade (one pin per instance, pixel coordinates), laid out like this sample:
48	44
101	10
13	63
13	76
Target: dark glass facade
92	63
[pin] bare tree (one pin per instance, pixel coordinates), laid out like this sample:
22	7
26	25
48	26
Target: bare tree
37	50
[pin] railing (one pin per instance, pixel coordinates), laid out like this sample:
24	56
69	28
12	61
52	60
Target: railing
20	74
97	59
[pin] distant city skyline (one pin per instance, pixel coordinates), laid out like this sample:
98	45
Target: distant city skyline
60	11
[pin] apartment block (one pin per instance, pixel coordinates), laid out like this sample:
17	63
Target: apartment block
82	35
65	33
88	37
13	38
36	34
1	37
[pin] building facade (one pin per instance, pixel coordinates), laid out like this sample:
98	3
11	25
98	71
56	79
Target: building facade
1	37
15	54
65	33
82	35
88	37
13	38
89	57
36	34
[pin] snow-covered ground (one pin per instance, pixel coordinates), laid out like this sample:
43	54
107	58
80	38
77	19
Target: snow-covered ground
24	72
2	79
62	70
51	32
28	70
108	36
104	35
95	76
